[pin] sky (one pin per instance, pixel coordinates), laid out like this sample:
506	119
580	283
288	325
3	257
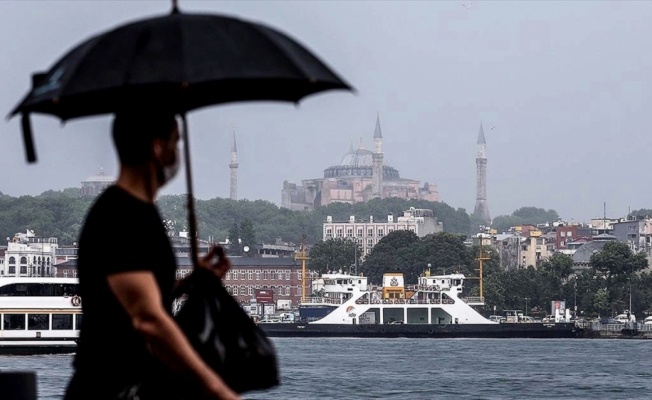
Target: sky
563	90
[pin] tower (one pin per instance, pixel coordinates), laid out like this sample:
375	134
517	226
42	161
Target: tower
234	169
481	208
377	159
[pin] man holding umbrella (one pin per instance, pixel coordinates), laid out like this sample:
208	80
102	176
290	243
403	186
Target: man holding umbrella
128	328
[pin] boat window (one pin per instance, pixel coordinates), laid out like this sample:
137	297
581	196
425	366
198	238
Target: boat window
78	321
14	322
38	322
39	289
61	321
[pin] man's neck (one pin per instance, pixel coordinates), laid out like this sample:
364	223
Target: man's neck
138	182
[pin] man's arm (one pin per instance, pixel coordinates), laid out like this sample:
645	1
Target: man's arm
139	294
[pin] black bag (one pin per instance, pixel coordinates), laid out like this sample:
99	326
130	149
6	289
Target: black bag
225	336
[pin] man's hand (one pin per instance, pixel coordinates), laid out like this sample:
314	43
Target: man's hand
216	261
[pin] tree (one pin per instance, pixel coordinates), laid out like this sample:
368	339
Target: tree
333	255
235	247
248	236
395	252
617	259
560	265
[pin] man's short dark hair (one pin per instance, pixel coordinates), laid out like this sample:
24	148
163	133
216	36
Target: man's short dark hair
134	132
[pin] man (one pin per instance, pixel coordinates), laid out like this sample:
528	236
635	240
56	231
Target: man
127	275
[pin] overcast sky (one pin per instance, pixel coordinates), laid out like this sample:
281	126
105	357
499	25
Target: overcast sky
564	90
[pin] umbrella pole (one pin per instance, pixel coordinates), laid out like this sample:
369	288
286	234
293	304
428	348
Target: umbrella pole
192	220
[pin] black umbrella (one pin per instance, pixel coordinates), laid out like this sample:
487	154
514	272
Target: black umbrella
178	61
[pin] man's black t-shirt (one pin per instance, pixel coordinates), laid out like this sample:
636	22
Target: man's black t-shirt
121	234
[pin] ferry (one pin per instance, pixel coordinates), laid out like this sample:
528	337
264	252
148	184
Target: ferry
39	315
348	306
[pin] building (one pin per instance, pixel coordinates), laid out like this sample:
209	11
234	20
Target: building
582	256
280	275
637	233
29	255
360	176
95	185
571	233
369	232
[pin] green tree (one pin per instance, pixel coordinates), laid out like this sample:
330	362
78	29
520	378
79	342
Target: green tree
617	260
248	236
333	255
395	252
559	265
235	245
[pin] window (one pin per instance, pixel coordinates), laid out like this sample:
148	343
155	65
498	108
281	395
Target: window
251	275
228	276
329	233
38	322
12	260
23	269
23	260
381	232
370	242
287	275
299	275
250	290
338	232
349	232
272	275
14	322
257	275
61	321
243	290
243	275
78	321
359	234
370	232
12	270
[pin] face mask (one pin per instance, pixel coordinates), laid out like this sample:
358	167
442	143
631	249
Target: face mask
167	172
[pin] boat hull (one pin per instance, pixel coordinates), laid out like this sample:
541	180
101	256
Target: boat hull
504	330
37	347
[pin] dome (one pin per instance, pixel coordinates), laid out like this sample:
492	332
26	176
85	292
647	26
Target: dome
357	158
100	178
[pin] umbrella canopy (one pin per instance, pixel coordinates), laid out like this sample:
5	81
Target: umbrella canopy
180	62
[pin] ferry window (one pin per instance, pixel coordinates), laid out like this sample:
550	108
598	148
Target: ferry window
78	321
38	322
61	321
14	322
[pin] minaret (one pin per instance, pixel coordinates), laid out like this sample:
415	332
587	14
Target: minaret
377	158
481	208
234	169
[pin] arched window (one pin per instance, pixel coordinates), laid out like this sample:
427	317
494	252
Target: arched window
23	260
243	290
12	260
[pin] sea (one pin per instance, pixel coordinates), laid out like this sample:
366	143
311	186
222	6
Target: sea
343	368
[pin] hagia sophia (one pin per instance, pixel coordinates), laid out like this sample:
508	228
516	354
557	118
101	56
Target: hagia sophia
360	176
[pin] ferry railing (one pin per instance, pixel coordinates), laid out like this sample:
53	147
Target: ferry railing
473	300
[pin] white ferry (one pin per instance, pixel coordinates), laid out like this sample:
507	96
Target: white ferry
350	307
39	315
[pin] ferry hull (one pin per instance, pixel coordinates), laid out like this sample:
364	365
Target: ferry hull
36	347
504	330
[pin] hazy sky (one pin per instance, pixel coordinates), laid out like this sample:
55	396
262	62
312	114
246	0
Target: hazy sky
562	89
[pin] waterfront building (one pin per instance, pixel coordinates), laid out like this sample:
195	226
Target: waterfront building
367	232
360	176
29	255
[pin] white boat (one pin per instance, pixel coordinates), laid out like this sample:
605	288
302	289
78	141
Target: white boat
39	315
349	306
